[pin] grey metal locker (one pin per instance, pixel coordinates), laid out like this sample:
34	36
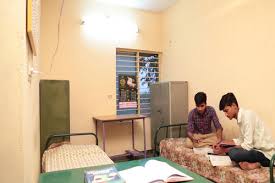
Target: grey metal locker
169	105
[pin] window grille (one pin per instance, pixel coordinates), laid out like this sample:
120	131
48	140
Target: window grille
142	65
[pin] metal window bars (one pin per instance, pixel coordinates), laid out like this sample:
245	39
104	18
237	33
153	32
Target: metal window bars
144	65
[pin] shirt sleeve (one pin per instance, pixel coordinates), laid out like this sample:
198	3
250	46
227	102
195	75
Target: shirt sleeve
248	130
215	119
190	127
238	141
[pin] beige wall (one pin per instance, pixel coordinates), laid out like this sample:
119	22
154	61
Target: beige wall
19	137
89	64
221	46
217	46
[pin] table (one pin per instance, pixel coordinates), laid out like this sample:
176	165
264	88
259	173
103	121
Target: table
77	175
121	118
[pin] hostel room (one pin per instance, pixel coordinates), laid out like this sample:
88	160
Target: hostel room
137	91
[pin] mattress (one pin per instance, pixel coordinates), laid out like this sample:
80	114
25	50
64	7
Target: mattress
174	150
68	156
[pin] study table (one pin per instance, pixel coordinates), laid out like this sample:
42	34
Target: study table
120	119
77	175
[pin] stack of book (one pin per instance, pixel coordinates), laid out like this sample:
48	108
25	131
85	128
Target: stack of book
103	175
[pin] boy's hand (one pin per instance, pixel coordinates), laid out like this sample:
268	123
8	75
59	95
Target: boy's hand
196	139
217	149
217	143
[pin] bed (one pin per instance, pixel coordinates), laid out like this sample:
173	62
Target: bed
174	150
61	154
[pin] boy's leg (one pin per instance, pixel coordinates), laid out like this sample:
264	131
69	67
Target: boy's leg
188	143
251	156
249	166
206	139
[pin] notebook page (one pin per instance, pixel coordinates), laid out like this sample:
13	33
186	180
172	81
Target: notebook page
162	170
217	160
134	175
203	150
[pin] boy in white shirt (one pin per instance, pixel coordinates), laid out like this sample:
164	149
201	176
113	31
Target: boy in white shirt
254	147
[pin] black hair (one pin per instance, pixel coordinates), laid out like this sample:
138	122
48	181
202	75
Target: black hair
200	98
227	100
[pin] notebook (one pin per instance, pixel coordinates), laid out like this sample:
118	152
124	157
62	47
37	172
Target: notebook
154	171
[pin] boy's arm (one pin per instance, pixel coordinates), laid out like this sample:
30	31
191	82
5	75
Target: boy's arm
219	135
190	135
248	134
218	149
216	121
217	125
190	127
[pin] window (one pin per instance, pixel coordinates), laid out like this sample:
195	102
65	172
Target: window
139	69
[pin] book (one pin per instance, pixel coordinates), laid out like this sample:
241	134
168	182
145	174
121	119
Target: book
153	171
103	175
226	145
203	150
217	160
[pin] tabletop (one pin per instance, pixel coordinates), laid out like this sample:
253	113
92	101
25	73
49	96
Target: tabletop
77	175
119	117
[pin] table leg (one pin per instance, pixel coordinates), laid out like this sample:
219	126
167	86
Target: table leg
133	135
144	136
103	135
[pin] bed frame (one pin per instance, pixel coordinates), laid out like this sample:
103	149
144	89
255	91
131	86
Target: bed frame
271	169
57	138
51	138
166	127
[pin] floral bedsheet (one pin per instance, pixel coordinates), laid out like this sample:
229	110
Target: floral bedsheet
174	150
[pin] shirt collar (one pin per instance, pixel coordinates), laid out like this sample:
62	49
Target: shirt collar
240	114
205	112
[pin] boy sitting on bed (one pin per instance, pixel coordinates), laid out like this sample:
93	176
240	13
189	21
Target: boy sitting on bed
254	147
199	124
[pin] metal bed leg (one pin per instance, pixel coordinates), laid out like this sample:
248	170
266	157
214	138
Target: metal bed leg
271	169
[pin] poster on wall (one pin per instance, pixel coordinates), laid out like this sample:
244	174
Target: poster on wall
127	92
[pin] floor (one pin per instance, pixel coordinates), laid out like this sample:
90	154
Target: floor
130	156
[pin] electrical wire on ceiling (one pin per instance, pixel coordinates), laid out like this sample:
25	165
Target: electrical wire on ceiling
58	35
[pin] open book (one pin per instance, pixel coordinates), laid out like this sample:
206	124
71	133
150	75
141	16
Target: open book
203	150
153	171
226	145
217	160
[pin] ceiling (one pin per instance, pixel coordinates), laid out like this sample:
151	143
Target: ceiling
149	5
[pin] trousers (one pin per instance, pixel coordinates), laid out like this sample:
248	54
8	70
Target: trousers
251	156
207	140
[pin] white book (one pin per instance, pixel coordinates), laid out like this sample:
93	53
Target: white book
203	150
217	160
153	171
